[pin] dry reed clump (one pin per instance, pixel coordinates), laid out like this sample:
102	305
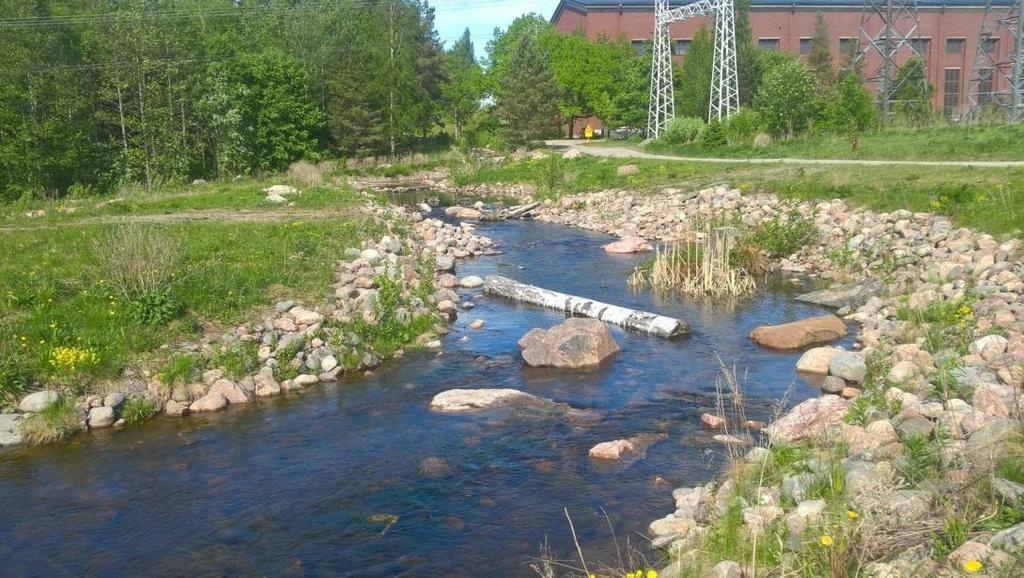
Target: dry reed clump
698	270
307	174
139	259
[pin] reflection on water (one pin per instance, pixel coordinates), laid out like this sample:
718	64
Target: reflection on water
332	481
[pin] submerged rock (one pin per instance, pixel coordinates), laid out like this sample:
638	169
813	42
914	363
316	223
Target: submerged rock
838	296
800	334
635	446
575	343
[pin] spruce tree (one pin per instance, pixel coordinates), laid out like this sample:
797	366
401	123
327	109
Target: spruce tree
527	98
693	83
820	58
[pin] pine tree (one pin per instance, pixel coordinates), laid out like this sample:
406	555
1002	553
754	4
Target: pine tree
819	60
693	83
527	98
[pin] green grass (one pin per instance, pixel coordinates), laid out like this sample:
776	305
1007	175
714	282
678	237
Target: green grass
954	143
55	423
137	410
56	292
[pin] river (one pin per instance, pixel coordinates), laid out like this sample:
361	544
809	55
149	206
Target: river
305	484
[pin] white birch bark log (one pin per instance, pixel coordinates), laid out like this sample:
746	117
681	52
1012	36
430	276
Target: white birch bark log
628	318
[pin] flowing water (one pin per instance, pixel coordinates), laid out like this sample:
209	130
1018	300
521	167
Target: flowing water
307	484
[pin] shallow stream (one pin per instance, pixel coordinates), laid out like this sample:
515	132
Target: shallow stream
305	484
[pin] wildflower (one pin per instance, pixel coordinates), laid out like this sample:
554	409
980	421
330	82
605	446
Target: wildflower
827	541
53	326
652	573
973	566
851	514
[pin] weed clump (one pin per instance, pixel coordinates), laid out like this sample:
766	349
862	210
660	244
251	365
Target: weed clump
57	422
137	410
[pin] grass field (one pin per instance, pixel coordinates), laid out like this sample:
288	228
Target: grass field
952	143
64	320
988	199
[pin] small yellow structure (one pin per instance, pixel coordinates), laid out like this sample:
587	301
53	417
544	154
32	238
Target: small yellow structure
588	133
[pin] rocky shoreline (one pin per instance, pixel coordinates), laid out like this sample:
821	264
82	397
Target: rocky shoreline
940	312
298	345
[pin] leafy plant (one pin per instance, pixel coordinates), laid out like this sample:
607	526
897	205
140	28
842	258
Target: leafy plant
137	410
15	378
682	130
237	360
919	459
953	536
785	235
154	308
182	368
742	127
713	135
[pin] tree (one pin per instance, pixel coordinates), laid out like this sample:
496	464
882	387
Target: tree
629	104
749	67
462	87
279	121
786	99
693	82
819	60
502	47
912	97
527	98
850	110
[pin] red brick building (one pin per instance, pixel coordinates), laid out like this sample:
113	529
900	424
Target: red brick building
949	32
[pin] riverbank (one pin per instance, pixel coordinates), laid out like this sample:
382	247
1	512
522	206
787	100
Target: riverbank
921	471
160	350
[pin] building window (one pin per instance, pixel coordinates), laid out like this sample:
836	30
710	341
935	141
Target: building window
805	45
848	46
990	45
768	43
920	46
984	85
640	46
681	46
954	46
951	92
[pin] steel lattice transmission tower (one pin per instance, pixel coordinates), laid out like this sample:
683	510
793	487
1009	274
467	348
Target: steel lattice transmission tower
996	83
891	29
725	91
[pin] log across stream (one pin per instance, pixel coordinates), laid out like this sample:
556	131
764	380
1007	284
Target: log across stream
642	321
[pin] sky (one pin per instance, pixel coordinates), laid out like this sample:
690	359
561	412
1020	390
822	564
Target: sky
482	16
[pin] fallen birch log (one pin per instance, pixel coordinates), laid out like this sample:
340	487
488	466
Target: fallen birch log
629	318
511	213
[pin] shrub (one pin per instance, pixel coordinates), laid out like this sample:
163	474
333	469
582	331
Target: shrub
155	308
850	109
713	135
787	98
237	360
137	410
785	236
682	130
742	127
139	260
55	423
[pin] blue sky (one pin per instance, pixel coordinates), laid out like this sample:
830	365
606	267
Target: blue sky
482	16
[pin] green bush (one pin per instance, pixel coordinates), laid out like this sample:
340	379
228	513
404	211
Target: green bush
154	308
682	130
784	236
238	360
787	98
713	135
137	410
742	127
850	109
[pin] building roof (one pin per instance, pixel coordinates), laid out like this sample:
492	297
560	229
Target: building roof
644	5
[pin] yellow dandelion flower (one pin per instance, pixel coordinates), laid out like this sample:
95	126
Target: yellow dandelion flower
827	540
973	566
652	573
851	514
53	326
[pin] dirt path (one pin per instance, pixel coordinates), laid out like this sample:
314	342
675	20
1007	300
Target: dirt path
628	153
209	216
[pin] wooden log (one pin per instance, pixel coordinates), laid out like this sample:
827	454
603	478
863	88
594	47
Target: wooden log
628	318
516	212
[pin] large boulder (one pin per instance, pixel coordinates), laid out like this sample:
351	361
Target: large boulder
575	343
230	390
210	402
101	417
808	420
800	334
628	245
463	212
38	401
10	429
463	400
635	446
849	366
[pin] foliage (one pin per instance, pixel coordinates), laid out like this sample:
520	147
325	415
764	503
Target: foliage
527	97
137	410
462	87
850	110
237	360
15	378
787	99
819	60
693	80
785	234
912	96
742	127
920	459
57	422
713	134
393	326
157	307
139	260
182	368
683	130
